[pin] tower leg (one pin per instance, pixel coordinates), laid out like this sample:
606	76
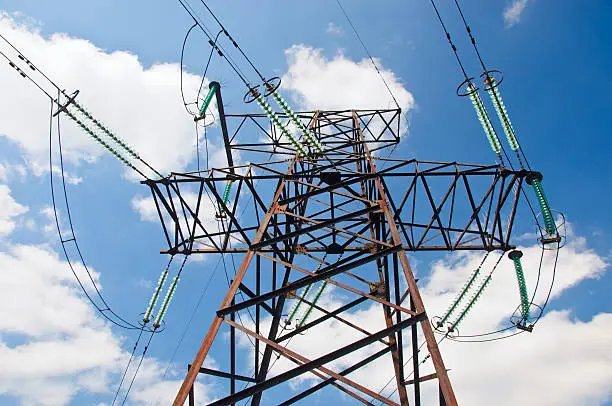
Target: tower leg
183	392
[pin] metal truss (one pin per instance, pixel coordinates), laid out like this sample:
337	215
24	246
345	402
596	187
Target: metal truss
333	219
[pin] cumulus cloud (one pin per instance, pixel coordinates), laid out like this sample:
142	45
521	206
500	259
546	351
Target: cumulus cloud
55	330
537	363
319	83
145	207
9	210
48	333
140	104
8	172
43	306
514	11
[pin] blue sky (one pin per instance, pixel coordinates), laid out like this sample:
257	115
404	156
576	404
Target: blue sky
555	58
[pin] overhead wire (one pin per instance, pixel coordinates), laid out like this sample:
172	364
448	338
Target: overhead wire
365	48
495	94
79	110
189	9
159	318
31	65
127	367
116	319
473	94
375	65
227	34
190	320
185	104
144	352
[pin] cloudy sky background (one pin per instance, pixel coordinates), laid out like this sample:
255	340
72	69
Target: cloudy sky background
56	350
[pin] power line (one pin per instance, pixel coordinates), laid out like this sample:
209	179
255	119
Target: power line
185	104
144	352
227	34
212	43
191	317
155	326
127	367
486	72
368	53
118	321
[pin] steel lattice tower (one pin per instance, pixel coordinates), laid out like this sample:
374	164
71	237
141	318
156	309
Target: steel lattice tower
344	218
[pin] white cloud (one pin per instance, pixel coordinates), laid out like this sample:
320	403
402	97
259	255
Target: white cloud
9	171
9	209
537	365
145	207
42	304
129	98
514	11
564	362
70	178
323	84
48	331
58	328
319	83
334	29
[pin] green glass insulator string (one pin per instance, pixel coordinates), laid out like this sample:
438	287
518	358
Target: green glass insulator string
515	256
313	303
208	99
97	138
307	133
462	294
471	303
109	133
298	305
169	295
483	117
549	222
155	297
274	118
226	195
226	192
166	303
300	301
502	113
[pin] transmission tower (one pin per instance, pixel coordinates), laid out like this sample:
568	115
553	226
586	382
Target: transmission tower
321	229
316	220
